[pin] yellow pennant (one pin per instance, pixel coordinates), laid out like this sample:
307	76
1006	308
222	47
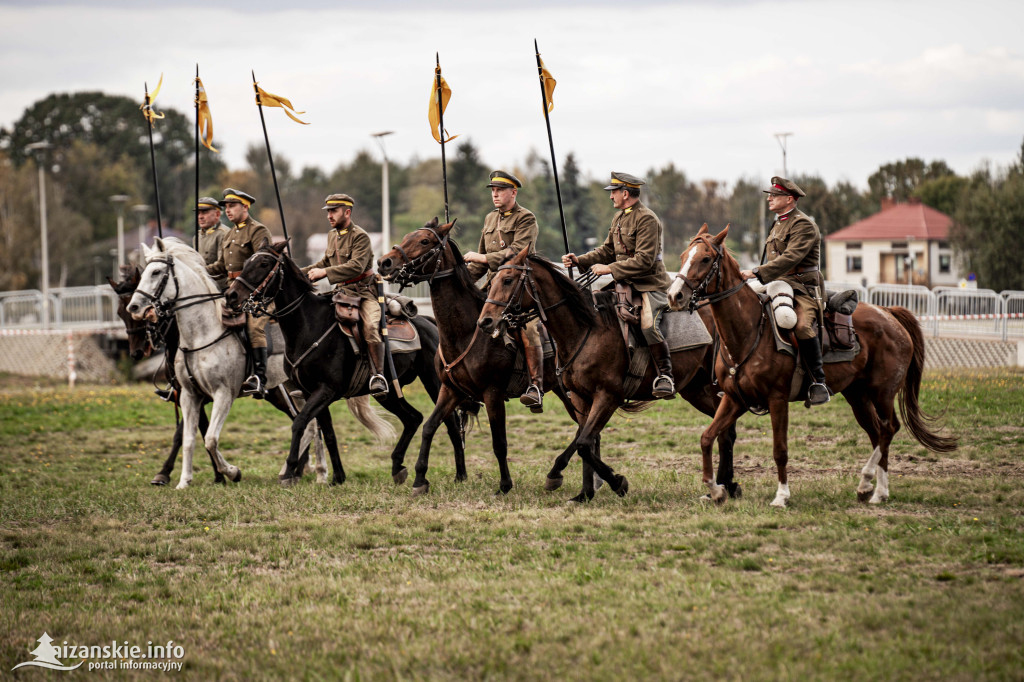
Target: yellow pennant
270	100
432	112
549	85
203	118
147	106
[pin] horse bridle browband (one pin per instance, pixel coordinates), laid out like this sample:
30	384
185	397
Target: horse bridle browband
699	293
412	270
178	303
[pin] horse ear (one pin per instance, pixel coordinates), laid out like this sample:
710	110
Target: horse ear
720	237
113	284
146	253
447	227
431	223
159	244
521	256
279	246
703	229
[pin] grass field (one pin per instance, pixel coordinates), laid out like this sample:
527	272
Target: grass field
363	581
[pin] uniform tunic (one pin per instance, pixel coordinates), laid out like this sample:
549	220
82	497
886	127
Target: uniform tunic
210	241
240	242
514	229
792	254
633	252
348	256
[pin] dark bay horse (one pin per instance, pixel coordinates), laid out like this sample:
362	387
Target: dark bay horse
592	355
319	359
472	366
753	373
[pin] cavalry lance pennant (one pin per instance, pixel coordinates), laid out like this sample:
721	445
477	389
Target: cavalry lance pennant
549	83
267	99
440	93
547	91
203	118
147	105
151	115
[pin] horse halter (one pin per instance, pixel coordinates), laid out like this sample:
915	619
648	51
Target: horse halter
413	270
256	303
512	315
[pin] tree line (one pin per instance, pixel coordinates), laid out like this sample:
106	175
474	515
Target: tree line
100	148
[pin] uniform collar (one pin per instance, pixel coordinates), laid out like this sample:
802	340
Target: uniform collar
783	217
630	209
239	226
505	214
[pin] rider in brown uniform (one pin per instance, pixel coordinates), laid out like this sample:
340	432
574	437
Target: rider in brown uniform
792	254
509	229
633	254
348	264
247	236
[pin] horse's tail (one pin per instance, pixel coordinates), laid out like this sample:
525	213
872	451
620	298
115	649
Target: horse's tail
366	415
637	405
910	408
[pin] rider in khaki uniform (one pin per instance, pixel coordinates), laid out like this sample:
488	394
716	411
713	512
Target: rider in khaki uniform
633	254
792	254
509	229
238	244
348	264
211	234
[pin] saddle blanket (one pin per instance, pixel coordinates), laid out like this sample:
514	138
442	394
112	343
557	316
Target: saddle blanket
403	337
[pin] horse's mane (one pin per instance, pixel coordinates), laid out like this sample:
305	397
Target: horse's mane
187	256
292	266
577	298
462	272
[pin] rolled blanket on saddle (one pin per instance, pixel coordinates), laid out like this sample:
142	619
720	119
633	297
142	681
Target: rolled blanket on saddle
781	295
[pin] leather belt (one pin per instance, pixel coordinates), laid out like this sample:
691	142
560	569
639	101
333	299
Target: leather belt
233	274
804	271
357	278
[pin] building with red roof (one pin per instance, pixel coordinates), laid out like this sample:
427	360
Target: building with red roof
901	244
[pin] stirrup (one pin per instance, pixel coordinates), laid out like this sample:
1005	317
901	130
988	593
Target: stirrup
165	394
667	388
533	398
254	386
378	386
817	397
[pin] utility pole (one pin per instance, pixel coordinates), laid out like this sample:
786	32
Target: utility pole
44	238
781	137
385	197
119	200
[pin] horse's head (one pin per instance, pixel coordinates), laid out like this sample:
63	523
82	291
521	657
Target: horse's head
157	284
700	272
258	272
418	257
512	293
139	341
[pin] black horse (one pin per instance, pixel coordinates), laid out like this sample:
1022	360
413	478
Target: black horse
321	361
472	365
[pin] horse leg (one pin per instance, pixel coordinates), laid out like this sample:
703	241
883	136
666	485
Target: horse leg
494	401
888	425
163	477
579	415
779	409
411	420
447	401
452	423
222	400
725	420
204	426
726	440
190	408
587	444
317	401
278	397
323	418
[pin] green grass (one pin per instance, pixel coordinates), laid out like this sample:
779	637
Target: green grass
366	582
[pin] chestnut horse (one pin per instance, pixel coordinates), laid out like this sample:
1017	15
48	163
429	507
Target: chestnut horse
592	357
753	373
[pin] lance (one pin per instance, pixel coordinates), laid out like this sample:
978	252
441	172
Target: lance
196	211
551	145
152	159
440	121
266	138
389	360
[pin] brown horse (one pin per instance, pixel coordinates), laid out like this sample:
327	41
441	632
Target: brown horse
472	366
755	375
592	356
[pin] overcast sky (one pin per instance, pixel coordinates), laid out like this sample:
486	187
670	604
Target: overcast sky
703	85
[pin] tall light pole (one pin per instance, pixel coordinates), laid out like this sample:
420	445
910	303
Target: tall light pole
119	201
385	193
141	210
781	137
41	147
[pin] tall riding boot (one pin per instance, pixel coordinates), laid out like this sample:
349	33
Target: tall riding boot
817	392
378	384
533	396
664	386
256	385
170	351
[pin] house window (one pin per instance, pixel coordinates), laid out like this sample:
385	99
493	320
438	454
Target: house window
899	245
945	263
853	246
854	263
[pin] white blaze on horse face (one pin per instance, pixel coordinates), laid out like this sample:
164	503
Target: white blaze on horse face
685	270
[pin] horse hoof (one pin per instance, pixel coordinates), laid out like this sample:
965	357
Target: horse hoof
337	481
401	476
237	477
778	503
621	487
288	481
160	479
420	490
461	478
864	496
878	500
580	499
552	483
503	489
735	490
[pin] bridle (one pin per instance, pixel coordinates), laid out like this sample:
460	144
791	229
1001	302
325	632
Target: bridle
256	303
171	306
414	270
699	292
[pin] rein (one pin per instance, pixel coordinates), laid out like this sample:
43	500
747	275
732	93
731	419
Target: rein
256	303
413	269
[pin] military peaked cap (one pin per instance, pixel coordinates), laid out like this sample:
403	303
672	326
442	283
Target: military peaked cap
206	203
237	195
784	186
338	201
500	178
621	180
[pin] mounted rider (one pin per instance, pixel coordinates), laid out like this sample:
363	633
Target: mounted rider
633	254
247	236
792	254
348	264
509	229
211	236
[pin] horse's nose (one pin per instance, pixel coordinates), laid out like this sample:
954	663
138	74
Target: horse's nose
137	354
231	296
384	265
486	323
133	308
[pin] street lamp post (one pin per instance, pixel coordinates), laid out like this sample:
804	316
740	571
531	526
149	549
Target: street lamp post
119	201
781	137
41	147
141	210
385	193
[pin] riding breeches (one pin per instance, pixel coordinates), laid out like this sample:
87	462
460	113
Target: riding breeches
655	304
369	316
806	315
257	327
531	333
